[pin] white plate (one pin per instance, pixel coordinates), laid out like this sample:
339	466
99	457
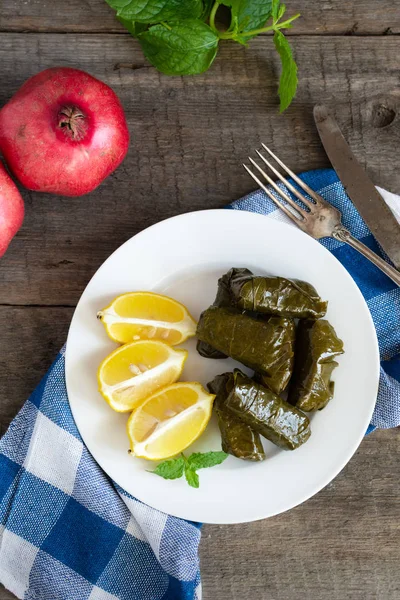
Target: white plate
183	257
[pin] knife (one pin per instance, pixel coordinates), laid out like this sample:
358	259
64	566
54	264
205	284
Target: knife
358	186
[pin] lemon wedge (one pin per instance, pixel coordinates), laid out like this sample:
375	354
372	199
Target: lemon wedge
169	421
135	371
145	316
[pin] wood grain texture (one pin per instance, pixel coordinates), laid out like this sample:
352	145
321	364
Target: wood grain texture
342	544
189	138
357	17
30	341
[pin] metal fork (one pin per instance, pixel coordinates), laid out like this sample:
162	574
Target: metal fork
319	218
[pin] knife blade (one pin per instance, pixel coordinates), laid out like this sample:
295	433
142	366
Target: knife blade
369	203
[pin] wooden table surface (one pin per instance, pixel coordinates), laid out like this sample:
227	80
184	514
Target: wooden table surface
189	136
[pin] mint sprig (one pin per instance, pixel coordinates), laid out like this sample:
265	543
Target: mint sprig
192	478
182	37
170	469
204	460
174	468
288	79
156	11
180	48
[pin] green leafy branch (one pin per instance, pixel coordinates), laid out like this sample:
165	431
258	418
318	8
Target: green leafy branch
239	30
174	468
181	37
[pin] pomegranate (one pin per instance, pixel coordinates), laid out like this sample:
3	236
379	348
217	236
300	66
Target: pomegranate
11	209
63	132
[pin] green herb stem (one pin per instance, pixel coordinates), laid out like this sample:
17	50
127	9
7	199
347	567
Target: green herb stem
213	12
287	22
182	38
272	27
257	31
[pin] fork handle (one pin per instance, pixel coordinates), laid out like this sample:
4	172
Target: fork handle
342	234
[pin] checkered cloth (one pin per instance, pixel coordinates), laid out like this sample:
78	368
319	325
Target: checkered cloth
381	294
68	532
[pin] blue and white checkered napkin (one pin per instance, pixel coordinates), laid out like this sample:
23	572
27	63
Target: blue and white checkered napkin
67	532
381	294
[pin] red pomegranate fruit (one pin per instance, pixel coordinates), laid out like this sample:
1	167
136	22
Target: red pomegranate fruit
63	132
11	209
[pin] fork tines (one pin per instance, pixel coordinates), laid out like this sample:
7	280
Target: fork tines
291	208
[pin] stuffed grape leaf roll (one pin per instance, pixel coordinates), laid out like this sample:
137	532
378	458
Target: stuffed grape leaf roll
222	299
258	344
280	373
267	413
275	295
316	347
238	439
207	351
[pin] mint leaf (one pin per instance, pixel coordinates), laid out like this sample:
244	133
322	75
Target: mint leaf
154	11
207	6
180	48
281	11
275	9
250	14
175	467
288	80
253	14
233	4
191	477
170	469
202	460
133	27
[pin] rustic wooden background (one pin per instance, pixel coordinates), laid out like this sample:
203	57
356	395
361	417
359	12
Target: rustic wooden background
189	136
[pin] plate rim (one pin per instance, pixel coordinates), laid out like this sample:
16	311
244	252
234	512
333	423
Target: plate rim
356	442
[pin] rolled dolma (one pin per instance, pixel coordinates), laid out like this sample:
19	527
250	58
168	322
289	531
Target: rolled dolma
266	413
280	373
275	295
316	347
258	344
222	299
238	439
207	351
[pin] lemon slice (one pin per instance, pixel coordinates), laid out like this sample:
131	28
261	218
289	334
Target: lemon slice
169	421
135	371
144	316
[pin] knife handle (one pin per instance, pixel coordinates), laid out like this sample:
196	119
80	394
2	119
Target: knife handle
342	234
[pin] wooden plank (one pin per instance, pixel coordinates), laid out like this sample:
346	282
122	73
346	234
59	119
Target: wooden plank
5	594
327	17
189	138
30	341
343	543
